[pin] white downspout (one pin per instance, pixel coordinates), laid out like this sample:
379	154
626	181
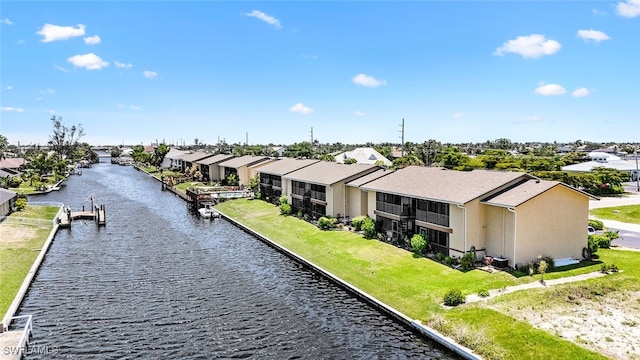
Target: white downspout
465	226
515	228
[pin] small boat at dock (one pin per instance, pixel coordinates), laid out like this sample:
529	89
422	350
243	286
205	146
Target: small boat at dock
208	212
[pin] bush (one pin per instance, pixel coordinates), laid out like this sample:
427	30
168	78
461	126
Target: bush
594	244
283	200
453	297
326	223
439	257
448	260
357	222
596	224
601	241
285	209
369	228
21	204
418	244
550	263
467	260
483	293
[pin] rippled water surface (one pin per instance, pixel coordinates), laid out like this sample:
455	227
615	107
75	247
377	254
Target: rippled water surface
160	283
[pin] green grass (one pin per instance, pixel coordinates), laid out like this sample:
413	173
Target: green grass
416	286
628	213
16	258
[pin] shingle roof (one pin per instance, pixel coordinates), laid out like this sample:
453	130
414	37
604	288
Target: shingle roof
215	159
458	187
243	161
6	195
622	165
198	155
521	193
12	163
369	177
328	173
174	153
286	165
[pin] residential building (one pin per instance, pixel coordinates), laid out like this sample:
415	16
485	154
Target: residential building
271	184
601	159
209	167
357	201
172	159
243	167
188	160
7	202
508	215
363	156
320	188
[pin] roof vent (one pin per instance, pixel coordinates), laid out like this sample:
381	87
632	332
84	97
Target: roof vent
537	181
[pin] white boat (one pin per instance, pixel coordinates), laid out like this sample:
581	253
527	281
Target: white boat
208	212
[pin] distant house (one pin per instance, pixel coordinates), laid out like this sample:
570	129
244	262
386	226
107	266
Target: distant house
363	156
320	188
601	159
209	167
271	184
7	202
279	150
15	164
172	159
242	167
508	215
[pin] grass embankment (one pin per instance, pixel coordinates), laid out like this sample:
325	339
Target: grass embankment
20	242
628	213
416	286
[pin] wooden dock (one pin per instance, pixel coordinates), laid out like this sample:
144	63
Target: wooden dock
98	214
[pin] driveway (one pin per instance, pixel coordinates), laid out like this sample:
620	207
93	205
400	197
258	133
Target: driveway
629	233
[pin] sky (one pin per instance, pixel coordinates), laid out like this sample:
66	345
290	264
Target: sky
137	72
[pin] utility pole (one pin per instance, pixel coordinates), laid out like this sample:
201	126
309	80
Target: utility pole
402	135
311	137
246	140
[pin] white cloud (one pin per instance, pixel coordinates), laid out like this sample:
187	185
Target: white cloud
9	108
89	61
9	87
582	92
122	65
266	18
300	108
58	67
54	32
359	113
92	40
595	11
458	114
629	8
150	74
532	46
6	21
550	89
594	35
134	107
367	81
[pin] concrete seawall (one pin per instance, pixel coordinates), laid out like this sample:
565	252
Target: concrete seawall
393	313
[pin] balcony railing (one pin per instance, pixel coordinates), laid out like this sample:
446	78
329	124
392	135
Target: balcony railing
318	195
298	191
431	217
389	208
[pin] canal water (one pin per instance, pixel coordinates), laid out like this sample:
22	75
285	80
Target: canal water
158	282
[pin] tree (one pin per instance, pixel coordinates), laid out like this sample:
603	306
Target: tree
4	144
159	153
64	140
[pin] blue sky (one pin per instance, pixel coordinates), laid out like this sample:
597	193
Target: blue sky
136	71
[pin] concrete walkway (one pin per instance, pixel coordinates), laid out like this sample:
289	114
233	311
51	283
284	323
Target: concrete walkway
629	199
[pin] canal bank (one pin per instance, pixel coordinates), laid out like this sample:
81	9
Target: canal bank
414	325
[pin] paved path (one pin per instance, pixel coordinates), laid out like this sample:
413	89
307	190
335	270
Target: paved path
630	199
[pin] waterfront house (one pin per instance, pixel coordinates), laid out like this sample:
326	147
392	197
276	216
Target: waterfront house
509	215
320	188
357	201
14	164
7	202
172	159
271	184
188	160
363	156
209	167
243	167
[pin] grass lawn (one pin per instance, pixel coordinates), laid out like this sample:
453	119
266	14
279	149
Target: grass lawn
628	213
414	286
19	247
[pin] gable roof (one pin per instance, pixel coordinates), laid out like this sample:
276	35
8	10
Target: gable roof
369	177
328	173
6	195
286	165
524	192
215	159
363	156
174	153
198	155
12	163
451	186
243	161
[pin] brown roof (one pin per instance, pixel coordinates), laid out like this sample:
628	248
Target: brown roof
369	177
6	195
328	173
243	161
524	192
198	155
12	163
286	165
215	159
458	187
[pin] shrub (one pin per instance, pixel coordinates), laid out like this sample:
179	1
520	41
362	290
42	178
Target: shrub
594	244
369	228
326	223
613	268
448	260
453	297
439	257
467	260
596	224
483	293
283	199
285	209
300	214
357	222
21	204
601	241
527	268
603	268
418	244
551	265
